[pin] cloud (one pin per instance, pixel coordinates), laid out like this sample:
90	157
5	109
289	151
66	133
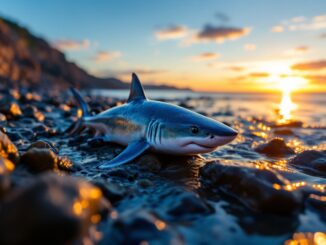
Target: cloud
205	56
302	23
258	74
103	56
316	79
236	68
323	36
171	32
69	44
298	19
277	28
308	66
298	50
249	47
219	34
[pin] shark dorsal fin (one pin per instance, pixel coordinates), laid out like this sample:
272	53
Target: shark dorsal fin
136	89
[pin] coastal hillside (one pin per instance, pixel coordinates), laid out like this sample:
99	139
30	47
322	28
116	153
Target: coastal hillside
28	60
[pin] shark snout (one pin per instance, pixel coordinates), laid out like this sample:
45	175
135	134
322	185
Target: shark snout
222	137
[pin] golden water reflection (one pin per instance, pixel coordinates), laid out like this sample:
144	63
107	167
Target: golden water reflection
286	107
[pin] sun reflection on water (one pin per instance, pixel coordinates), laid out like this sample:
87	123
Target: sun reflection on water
286	107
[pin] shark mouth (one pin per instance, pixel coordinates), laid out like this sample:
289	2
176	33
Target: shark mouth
203	147
196	148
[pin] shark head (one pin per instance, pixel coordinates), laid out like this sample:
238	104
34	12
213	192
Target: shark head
178	130
195	133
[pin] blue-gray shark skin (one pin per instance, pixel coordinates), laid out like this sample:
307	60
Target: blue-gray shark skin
142	124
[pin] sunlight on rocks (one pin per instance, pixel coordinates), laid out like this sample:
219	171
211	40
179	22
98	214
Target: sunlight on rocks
309	238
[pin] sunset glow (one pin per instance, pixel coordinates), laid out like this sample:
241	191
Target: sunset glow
217	47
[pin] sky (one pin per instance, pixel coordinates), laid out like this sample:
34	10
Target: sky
206	45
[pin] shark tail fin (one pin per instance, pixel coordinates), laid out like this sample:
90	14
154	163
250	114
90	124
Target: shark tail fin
78	126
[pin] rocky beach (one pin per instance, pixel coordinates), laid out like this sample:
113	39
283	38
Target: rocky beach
259	189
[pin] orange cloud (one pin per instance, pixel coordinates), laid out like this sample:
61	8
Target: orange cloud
313	65
259	74
172	32
205	56
103	56
236	68
277	29
298	50
317	79
69	44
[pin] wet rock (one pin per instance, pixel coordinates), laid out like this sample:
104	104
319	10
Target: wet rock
33	112
52	209
43	144
27	133
259	189
11	110
2	118
149	162
111	191
276	147
144	183
311	161
187	205
41	129
289	124
6	167
40	160
41	156
283	131
318	202
8	149
140	227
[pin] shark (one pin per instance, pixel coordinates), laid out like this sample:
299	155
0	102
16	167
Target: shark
144	125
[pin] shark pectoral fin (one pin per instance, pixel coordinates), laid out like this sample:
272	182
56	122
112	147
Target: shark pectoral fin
132	151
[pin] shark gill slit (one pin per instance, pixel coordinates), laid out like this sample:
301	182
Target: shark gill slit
149	130
157	132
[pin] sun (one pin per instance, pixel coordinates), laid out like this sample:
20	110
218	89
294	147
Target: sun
282	78
290	83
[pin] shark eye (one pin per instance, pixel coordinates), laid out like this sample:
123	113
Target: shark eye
194	130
